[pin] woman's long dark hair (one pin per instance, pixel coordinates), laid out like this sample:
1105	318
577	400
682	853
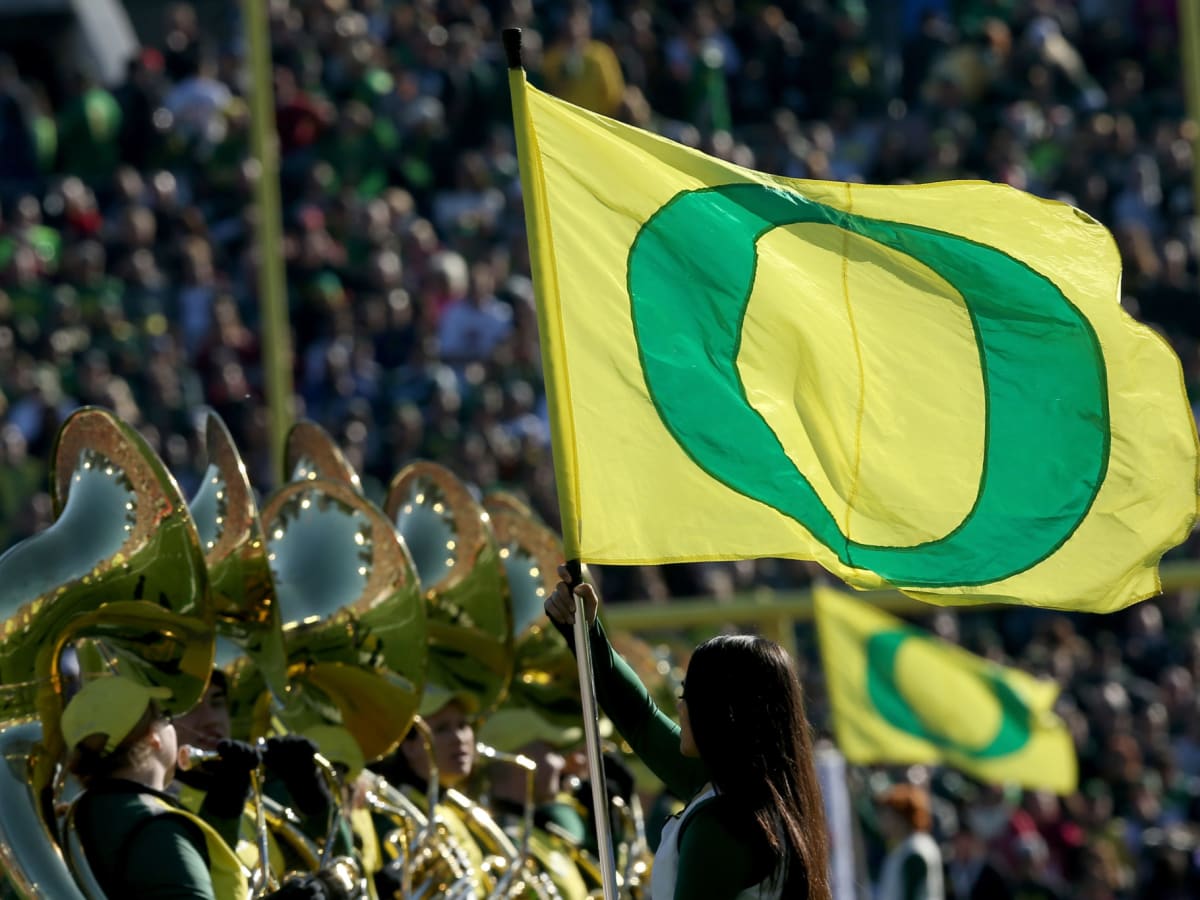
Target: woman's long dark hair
746	711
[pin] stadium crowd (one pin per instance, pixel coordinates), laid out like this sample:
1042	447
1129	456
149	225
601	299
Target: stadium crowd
128	279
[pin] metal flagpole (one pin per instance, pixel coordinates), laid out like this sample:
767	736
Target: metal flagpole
591	731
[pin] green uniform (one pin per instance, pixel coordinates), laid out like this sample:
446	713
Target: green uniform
141	843
717	861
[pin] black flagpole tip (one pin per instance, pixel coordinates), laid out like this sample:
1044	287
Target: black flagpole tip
512	47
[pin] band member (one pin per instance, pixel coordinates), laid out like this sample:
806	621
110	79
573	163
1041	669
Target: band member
218	790
139	842
449	716
559	828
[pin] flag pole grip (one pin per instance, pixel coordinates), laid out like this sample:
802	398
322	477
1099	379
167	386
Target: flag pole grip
591	731
511	38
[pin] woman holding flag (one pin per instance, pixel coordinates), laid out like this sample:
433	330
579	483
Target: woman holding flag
754	826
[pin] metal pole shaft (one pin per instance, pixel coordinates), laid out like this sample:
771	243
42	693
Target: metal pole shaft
591	730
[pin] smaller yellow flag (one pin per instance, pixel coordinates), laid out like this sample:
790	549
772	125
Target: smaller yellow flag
903	695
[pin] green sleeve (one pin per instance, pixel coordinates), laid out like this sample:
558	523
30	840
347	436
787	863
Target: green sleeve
649	731
714	861
165	863
912	877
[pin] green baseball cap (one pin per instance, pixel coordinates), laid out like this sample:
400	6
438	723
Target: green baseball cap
111	706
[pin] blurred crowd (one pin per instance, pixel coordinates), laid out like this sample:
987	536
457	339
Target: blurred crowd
128	278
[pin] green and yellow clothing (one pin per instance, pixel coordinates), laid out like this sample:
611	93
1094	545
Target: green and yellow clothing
141	843
89	131
240	833
315	826
717	860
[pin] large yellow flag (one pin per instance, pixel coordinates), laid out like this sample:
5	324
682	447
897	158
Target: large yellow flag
930	387
902	695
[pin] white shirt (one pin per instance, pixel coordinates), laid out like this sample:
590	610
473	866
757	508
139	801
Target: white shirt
919	844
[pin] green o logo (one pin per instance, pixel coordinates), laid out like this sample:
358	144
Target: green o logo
691	274
1012	733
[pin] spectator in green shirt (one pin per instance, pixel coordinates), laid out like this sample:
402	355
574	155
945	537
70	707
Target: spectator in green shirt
89	133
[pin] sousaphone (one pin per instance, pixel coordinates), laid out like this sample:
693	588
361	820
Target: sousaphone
235	552
120	576
310	453
353	617
545	675
462	580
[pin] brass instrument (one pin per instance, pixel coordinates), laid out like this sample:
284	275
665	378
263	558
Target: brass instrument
471	649
353	629
417	845
496	502
354	621
429	853
545	676
235	553
356	618
310	453
522	874
466	593
635	859
250	636
120	575
475	829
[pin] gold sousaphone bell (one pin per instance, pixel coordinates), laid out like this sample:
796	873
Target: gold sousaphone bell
119	576
462	580
310	453
235	552
545	675
353	617
250	623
